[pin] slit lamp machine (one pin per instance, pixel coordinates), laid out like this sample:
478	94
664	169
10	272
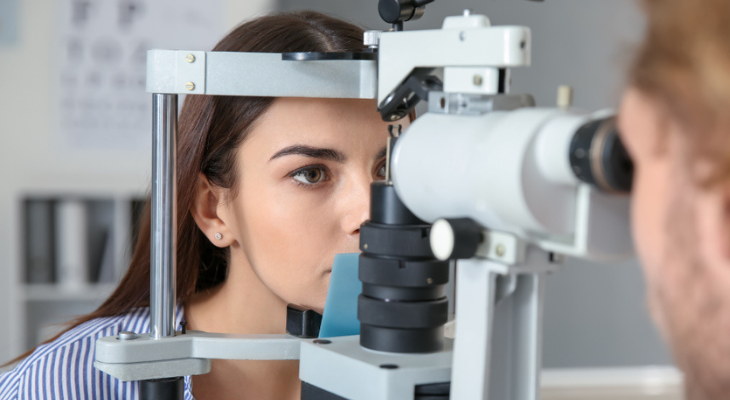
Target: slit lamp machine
524	187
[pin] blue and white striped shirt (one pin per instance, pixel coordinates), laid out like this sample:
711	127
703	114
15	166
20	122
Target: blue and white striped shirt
64	368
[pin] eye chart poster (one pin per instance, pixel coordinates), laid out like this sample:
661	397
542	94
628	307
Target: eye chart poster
101	63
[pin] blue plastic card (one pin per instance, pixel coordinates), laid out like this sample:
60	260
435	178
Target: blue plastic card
340	308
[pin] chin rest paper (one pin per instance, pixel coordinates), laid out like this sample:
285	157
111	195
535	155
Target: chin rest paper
340	309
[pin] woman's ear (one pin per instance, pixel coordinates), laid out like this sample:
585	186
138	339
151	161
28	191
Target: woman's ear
206	213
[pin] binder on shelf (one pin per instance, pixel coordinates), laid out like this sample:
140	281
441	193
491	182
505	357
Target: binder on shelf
106	264
39	241
100	215
72	243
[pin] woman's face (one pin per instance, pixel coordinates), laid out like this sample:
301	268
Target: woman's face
303	181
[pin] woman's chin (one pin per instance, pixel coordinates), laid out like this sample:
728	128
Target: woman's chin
316	304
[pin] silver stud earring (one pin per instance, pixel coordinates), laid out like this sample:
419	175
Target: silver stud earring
218	236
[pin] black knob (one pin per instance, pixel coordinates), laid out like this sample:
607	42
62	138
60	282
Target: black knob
396	11
454	239
392	11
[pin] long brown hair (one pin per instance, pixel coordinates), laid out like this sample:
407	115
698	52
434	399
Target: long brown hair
210	129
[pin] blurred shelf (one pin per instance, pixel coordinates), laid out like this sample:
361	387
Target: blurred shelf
54	292
630	383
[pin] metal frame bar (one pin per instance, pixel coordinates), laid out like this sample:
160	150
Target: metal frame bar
164	216
197	344
144	357
258	74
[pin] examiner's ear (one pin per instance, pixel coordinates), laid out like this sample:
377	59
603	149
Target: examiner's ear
205	212
722	227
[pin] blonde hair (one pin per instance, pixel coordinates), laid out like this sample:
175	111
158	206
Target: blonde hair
684	64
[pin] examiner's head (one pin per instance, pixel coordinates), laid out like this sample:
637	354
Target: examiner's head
675	122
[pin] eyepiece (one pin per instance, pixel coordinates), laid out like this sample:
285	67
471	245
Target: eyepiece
598	157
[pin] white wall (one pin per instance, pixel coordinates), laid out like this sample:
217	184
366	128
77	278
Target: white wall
29	155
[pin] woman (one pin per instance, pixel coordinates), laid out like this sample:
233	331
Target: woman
269	190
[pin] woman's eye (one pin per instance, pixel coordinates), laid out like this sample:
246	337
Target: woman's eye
381	172
310	176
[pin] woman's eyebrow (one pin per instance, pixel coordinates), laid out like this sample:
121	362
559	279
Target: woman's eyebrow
381	154
313	152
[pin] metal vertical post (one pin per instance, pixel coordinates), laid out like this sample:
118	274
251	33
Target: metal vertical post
517	340
164	216
498	345
475	303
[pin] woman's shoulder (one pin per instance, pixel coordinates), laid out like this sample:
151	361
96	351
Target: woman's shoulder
64	368
77	339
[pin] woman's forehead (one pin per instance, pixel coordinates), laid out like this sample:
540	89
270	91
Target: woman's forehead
319	122
326	111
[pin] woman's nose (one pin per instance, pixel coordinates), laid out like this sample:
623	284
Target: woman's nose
357	207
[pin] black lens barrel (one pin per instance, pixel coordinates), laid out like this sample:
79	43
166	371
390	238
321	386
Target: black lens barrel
402	308
599	158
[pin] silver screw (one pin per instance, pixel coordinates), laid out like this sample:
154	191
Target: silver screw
500	250
365	246
190	58
478	80
190	86
126	335
429	281
371	39
467	12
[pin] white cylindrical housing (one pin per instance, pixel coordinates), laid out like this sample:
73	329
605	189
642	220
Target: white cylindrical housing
507	170
552	147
